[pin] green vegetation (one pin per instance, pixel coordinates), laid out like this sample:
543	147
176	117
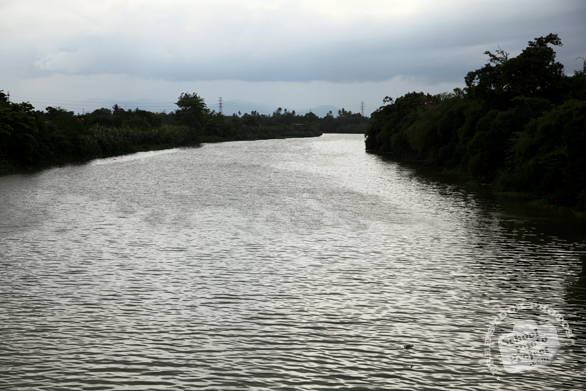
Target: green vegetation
519	125
32	138
29	137
345	122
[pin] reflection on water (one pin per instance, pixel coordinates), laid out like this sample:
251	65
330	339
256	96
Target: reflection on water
300	264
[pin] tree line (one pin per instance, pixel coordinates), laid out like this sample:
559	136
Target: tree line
519	125
56	135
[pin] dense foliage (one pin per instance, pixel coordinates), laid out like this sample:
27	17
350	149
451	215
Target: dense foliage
520	124
31	137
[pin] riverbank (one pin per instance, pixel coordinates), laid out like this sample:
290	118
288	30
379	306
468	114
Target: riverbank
524	202
30	138
11	169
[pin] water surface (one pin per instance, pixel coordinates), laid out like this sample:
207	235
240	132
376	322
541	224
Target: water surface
298	264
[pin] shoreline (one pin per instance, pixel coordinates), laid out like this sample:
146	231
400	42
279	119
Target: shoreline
427	169
11	169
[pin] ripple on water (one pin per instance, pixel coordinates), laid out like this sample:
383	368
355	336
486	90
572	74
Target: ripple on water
301	264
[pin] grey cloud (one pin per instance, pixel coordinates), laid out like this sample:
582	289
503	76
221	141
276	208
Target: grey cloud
435	52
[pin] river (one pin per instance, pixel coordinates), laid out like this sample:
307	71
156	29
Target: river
297	264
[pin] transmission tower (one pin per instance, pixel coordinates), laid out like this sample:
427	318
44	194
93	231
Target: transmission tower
220	105
362	108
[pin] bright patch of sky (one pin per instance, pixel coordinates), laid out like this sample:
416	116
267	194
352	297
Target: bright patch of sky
298	54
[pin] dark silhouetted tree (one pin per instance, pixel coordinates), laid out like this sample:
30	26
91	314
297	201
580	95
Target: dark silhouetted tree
192	110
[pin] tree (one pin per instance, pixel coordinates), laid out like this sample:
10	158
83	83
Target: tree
532	74
24	133
192	110
64	122
5	128
311	117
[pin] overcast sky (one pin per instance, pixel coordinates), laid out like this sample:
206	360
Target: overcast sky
298	54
